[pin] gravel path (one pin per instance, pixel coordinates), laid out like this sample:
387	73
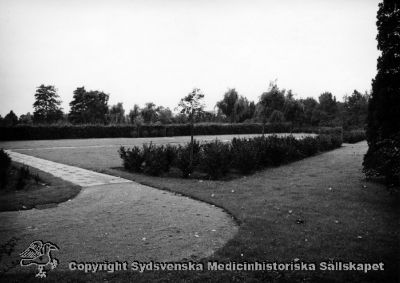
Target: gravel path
115	219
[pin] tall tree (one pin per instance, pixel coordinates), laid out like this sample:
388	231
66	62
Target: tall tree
25	119
355	110
310	104
164	115
273	99
47	105
293	109
134	114
88	106
117	113
383	122
227	104
192	105
149	113
242	109
10	119
327	108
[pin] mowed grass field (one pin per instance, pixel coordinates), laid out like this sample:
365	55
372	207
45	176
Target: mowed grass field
313	210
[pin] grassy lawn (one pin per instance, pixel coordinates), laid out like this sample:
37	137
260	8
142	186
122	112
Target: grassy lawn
49	191
317	209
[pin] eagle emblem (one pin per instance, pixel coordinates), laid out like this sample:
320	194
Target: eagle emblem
39	254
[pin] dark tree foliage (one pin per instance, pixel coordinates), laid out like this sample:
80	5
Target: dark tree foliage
273	99
5	163
88	107
164	115
25	119
355	109
235	107
328	108
134	114
47	105
116	114
294	111
149	113
383	122
310	105
227	104
277	117
10	119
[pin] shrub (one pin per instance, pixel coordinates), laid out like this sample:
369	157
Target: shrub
354	136
132	158
383	159
5	162
263	156
170	153
292	146
328	131
23	175
154	159
182	160
308	146
215	159
276	150
324	142
245	154
336	141
149	159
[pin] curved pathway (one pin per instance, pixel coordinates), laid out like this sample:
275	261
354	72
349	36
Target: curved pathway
115	219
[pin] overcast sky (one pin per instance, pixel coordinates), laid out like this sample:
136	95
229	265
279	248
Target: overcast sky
142	51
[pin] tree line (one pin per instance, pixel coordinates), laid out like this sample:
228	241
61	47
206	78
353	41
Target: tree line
275	105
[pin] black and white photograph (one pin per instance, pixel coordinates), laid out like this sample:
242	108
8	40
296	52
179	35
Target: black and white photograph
200	141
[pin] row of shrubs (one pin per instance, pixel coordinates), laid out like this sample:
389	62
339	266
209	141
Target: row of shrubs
35	132
21	174
5	163
217	158
354	136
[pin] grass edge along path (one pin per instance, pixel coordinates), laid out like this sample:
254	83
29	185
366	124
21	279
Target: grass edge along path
49	192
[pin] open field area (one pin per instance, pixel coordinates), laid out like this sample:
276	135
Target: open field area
317	209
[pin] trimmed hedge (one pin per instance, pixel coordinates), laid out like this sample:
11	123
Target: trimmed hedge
216	158
354	136
42	132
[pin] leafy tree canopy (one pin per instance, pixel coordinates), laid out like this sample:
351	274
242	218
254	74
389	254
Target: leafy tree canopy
47	105
89	106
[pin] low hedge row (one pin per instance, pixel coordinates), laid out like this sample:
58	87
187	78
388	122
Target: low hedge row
217	158
36	132
354	136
